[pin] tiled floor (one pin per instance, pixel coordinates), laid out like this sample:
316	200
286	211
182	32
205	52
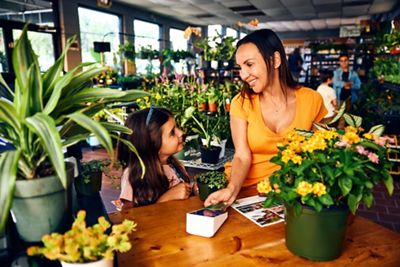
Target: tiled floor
385	210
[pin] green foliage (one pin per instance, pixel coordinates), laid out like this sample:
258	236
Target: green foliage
83	244
49	112
148	53
213	179
127	50
330	167
92	166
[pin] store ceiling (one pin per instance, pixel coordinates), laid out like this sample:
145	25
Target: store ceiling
279	15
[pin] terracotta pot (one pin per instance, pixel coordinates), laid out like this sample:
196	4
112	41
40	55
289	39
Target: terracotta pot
213	107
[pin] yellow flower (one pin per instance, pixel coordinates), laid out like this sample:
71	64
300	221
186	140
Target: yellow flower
264	187
369	136
319	189
351	138
351	129
304	188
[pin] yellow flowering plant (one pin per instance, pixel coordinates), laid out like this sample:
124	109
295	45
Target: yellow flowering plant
329	167
86	244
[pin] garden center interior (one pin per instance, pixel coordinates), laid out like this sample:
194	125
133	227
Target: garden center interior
182	53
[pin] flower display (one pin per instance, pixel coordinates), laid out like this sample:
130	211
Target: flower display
191	30
86	244
329	167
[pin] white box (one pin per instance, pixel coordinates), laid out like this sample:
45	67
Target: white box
204	225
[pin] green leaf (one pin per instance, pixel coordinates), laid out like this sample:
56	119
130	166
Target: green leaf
35	90
304	132
116	128
389	184
51	76
22	58
94	127
368	199
44	126
377	130
326	200
352	120
3	83
353	202
56	92
9	115
268	202
345	185
339	114
8	175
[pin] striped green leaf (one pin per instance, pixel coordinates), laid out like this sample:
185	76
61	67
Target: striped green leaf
44	126
9	115
8	175
94	127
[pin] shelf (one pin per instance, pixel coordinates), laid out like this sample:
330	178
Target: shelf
195	161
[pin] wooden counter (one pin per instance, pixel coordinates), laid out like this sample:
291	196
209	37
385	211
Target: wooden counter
161	240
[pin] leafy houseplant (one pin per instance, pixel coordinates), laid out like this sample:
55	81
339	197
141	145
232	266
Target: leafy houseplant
90	178
82	244
48	112
209	182
322	175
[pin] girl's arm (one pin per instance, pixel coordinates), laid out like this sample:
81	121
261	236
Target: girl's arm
178	192
240	164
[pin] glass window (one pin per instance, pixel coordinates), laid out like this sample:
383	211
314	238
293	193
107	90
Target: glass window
96	26
214	30
233	33
147	35
42	44
242	34
177	40
3	55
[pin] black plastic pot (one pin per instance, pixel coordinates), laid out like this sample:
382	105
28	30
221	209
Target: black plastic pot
210	154
91	188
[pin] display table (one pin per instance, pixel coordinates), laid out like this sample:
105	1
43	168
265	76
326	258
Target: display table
195	161
161	240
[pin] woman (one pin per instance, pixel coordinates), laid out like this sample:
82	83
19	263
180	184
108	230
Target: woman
269	105
157	139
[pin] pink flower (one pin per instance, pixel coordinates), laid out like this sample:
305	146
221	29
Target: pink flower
373	157
361	150
341	144
380	141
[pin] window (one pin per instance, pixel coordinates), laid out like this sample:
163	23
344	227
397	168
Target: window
178	43
242	35
147	35
214	30
98	26
233	33
177	40
3	55
42	44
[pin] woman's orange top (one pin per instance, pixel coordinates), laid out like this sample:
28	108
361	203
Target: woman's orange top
263	141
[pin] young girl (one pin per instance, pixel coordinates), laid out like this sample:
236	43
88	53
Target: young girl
156	139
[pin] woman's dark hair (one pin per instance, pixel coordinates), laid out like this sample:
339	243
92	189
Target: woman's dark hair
268	43
147	138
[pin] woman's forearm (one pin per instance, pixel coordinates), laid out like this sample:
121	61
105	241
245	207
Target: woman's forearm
240	169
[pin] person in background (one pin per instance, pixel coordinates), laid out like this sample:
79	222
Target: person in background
157	139
327	92
295	63
269	106
346	81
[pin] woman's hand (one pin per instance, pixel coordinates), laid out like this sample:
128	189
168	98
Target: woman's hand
178	192
226	196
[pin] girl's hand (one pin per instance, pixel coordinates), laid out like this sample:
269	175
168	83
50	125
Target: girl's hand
178	192
226	196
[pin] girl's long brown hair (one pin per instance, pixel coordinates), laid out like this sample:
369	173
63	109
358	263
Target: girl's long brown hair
148	140
268	43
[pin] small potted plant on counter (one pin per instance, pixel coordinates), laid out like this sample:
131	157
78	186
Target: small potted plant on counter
86	246
209	182
89	181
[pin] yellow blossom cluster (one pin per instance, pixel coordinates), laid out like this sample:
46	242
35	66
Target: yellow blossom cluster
351	138
264	187
304	188
369	136
191	30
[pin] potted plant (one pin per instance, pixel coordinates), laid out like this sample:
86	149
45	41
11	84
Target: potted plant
214	96
206	127
47	113
90	178
86	246
322	176
209	182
